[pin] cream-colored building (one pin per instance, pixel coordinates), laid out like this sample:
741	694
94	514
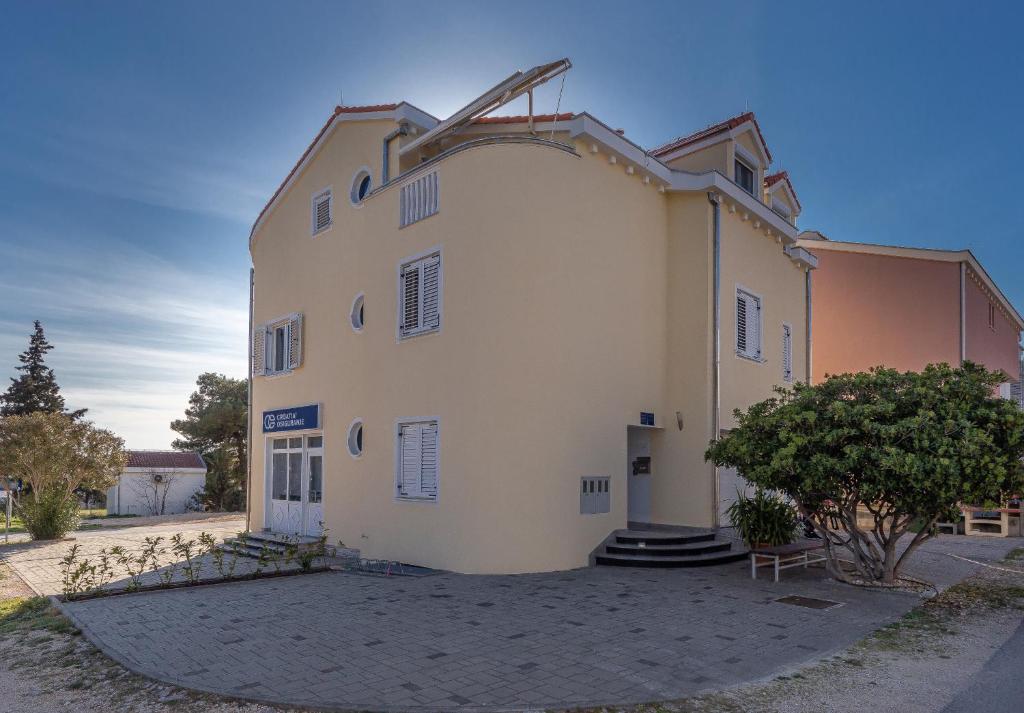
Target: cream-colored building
484	344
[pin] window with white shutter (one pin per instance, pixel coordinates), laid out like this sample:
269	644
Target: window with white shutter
419	300
787	353
320	212
418	460
748	325
259	350
277	346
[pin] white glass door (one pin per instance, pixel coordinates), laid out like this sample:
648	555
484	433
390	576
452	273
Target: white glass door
286	485
314	486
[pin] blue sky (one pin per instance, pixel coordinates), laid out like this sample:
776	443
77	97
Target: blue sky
138	141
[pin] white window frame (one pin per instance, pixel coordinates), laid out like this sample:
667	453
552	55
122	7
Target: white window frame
787	331
400	314
357	179
759	356
741	154
399	423
269	344
329	192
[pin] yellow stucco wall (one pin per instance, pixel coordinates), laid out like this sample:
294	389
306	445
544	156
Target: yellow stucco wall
717	157
574	297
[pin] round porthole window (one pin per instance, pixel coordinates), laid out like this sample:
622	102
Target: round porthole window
356	316
355	438
361	186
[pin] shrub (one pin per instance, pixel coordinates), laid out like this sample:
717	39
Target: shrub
50	515
55	456
764	519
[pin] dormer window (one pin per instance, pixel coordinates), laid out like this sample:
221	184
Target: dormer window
744	176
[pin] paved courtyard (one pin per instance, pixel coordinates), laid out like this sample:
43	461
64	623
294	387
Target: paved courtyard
39	563
456	642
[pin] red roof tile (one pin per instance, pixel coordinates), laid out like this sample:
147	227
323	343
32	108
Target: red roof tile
714	130
165	459
538	118
365	109
771	180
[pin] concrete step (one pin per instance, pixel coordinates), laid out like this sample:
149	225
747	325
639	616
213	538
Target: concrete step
703	560
661	537
690	549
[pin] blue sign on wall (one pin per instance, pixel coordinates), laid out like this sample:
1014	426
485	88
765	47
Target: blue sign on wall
296	418
646	418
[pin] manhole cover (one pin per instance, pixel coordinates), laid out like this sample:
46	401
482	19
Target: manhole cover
808	602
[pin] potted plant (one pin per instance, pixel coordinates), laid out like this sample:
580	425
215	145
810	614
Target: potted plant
764	520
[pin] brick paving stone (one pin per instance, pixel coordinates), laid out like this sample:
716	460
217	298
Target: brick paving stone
555	640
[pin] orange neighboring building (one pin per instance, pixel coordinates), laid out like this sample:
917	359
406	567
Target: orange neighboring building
908	307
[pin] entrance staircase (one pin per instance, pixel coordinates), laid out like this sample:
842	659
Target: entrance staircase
254	543
687	547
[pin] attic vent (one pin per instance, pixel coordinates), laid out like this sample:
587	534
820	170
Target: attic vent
321	211
419	199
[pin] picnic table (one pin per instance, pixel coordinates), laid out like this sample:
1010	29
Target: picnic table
780	557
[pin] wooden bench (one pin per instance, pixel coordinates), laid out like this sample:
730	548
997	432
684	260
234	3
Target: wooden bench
796	554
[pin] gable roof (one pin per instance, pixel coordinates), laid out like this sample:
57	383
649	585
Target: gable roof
771	180
351	112
714	130
165	459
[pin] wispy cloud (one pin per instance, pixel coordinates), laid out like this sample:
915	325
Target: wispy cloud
132	331
133	166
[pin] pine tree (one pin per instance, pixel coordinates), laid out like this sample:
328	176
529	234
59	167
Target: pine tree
35	389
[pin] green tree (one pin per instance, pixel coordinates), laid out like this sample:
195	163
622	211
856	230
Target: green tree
904	447
215	424
55	455
35	389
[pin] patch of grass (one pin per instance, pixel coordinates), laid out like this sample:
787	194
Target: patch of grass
22	614
1017	553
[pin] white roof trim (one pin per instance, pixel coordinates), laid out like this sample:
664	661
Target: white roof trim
714	139
783	185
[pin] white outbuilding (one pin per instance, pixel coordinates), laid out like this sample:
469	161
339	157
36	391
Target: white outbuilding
157	483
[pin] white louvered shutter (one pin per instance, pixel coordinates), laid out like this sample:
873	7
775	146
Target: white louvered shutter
428	460
411	454
259	350
787	353
295	341
410	298
321	211
741	323
431	293
748	325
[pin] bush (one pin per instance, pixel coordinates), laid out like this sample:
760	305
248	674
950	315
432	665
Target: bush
49	516
764	519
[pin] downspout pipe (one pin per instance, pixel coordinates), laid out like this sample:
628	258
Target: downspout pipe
963	313
808	287
385	174
248	425
716	359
